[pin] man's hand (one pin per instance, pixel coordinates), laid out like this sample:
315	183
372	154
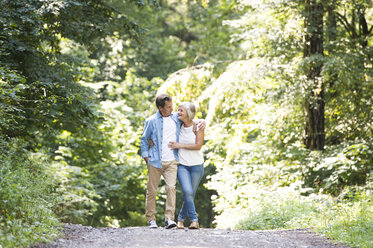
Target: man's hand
201	124
146	160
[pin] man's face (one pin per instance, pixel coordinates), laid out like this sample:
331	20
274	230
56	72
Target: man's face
167	109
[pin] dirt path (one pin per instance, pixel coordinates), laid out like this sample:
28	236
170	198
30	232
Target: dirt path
78	236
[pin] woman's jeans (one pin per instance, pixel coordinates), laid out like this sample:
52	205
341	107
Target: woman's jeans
189	179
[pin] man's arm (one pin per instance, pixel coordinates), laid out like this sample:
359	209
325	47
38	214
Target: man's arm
200	124
144	143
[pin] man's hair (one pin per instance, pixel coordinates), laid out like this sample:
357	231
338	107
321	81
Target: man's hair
161	99
189	108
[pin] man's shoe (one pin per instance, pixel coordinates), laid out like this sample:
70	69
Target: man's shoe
152	224
194	225
180	225
169	223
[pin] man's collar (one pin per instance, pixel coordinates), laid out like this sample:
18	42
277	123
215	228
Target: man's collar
161	116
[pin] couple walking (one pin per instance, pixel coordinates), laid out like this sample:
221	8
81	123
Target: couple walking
177	153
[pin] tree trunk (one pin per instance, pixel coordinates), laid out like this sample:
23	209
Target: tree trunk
331	31
313	108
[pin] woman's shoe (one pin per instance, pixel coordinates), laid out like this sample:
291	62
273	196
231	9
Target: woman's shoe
180	225
194	225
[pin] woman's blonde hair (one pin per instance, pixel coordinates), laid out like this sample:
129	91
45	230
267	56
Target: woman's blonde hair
189	108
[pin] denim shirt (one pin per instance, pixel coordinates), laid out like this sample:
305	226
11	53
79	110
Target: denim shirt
154	130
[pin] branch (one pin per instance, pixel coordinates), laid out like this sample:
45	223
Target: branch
350	29
370	30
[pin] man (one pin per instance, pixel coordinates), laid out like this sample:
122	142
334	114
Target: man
162	128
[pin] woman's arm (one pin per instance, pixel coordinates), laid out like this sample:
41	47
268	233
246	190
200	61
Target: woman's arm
197	146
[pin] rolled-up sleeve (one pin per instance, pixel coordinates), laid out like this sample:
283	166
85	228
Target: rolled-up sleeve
144	144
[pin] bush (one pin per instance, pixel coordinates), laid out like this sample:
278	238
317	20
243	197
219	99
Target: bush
347	164
276	215
26	197
350	221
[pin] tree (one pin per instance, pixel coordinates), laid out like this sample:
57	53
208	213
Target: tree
49	118
357	27
314	105
32	37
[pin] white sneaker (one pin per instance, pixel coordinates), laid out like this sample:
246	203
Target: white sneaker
152	224
169	223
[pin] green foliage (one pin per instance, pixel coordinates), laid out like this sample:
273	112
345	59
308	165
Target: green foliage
259	121
76	193
348	98
351	222
45	49
175	35
107	185
255	108
31	37
78	78
277	212
348	221
26	196
10	114
339	166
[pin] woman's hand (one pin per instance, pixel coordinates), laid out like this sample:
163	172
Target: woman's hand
174	145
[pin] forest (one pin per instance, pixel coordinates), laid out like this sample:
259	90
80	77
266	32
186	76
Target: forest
284	86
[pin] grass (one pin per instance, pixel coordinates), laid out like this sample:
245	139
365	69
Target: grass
348	221
26	198
351	223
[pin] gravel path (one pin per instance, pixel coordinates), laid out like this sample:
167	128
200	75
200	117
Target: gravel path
78	236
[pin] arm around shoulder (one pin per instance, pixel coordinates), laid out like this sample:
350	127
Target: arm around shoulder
200	124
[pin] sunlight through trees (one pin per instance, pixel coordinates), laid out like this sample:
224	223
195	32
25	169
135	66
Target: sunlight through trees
285	88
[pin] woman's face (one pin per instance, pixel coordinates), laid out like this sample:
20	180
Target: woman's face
182	114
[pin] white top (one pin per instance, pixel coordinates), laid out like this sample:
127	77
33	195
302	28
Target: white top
169	134
189	157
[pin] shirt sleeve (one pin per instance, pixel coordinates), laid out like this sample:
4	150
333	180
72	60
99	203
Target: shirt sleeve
144	144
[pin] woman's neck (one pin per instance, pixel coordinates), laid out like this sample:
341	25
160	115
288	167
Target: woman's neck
188	123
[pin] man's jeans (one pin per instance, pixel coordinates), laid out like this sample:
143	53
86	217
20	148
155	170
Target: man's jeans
169	172
189	179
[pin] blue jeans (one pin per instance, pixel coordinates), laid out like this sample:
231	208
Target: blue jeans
189	179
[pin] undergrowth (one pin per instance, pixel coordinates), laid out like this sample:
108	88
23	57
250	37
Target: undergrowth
349	221
26	197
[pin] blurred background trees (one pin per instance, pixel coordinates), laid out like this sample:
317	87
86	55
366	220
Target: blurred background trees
284	86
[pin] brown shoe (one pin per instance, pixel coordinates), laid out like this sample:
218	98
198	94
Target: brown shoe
194	225
180	225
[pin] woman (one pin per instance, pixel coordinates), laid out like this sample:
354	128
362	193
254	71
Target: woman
190	169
